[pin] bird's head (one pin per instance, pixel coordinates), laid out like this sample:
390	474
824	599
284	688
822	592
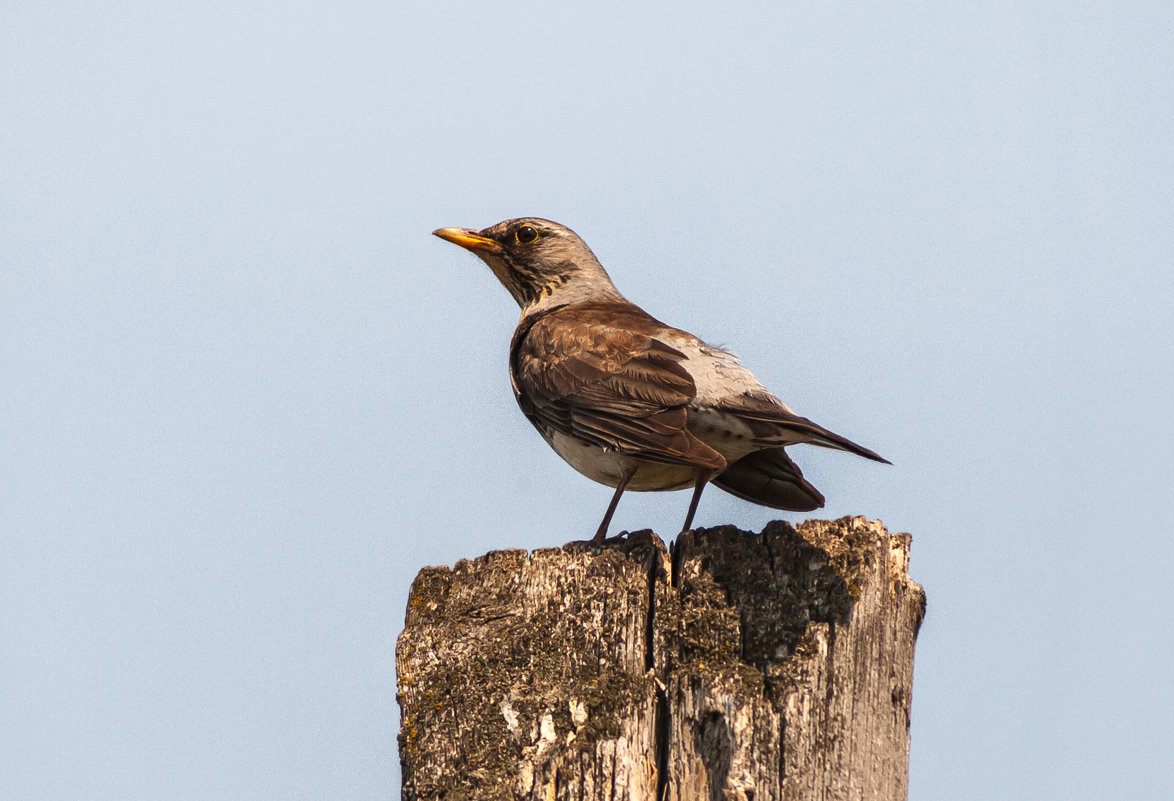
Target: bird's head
540	262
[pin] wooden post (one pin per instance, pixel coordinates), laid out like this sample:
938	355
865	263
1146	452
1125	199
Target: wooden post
739	666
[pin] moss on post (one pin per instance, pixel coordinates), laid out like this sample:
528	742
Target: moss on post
754	666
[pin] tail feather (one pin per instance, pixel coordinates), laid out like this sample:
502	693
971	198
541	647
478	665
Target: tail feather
769	478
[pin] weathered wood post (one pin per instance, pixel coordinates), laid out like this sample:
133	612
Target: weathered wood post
738	666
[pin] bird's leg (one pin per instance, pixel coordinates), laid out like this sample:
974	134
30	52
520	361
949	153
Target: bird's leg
703	477
625	476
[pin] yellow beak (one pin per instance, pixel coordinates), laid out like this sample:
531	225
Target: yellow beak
466	238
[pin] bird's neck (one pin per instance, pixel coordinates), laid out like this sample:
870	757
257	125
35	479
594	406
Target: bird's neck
581	289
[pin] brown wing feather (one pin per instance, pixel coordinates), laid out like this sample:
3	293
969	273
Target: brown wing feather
768	413
596	372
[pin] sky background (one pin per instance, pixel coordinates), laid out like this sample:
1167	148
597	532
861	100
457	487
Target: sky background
245	395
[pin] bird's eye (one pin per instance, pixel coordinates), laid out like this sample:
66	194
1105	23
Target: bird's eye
526	234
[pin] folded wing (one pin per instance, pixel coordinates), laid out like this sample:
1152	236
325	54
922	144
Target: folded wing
595	372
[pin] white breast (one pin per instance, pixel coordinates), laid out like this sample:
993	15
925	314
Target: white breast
606	467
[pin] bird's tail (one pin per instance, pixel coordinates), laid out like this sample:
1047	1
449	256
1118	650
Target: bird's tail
769	478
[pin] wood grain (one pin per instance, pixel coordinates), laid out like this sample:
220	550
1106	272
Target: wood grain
740	666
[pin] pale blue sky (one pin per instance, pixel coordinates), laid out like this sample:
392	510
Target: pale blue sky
245	395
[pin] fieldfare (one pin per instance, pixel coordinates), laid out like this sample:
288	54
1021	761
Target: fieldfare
629	401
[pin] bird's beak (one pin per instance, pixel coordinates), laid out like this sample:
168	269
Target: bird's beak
469	240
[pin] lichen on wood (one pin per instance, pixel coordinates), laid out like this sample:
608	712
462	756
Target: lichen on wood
741	665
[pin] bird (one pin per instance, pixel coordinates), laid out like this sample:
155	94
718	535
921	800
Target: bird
627	400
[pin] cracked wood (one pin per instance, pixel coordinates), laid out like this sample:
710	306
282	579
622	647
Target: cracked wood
740	666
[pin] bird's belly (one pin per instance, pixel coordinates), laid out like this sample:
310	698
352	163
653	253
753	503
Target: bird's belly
606	467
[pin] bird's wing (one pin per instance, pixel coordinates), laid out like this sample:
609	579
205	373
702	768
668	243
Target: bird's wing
764	412
598	373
